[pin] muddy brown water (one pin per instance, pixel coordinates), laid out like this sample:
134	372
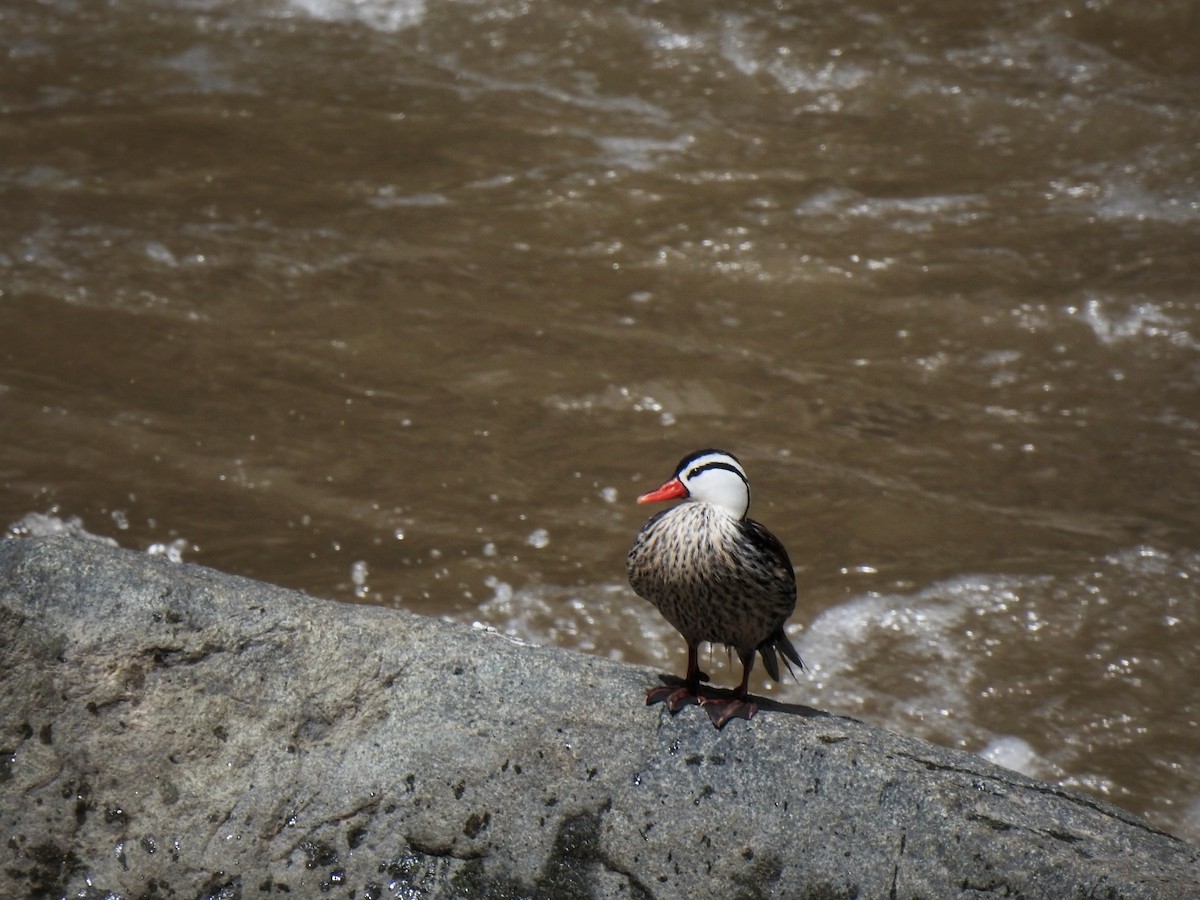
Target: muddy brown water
405	302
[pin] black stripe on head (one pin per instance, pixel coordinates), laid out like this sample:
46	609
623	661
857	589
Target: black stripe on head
692	473
691	466
686	462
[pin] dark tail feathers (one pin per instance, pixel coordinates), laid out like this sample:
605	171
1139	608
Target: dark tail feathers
779	641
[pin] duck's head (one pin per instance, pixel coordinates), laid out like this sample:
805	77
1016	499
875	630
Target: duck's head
710	476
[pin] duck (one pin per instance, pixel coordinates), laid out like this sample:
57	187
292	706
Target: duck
717	576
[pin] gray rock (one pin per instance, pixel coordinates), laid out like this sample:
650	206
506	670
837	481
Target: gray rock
172	731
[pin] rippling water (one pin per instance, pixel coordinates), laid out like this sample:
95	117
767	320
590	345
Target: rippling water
404	302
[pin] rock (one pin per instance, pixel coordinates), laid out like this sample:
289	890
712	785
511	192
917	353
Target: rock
171	731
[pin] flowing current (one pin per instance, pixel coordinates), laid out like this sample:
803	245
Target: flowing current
404	302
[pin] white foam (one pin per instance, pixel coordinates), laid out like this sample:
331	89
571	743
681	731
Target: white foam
1117	196
641	153
1114	321
159	252
1013	753
358	575
1127	200
36	524
173	551
582	617
388	197
208	73
382	15
931	628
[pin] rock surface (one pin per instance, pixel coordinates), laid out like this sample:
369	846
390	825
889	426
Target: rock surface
172	731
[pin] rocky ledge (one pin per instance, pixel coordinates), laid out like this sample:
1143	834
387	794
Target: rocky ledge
172	731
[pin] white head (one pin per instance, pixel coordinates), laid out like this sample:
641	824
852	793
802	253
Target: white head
710	476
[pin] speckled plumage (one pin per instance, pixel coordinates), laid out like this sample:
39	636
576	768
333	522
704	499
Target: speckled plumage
713	576
716	575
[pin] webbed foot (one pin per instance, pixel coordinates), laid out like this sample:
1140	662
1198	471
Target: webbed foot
673	696
720	709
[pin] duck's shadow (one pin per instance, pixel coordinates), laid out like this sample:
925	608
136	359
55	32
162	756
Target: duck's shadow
764	704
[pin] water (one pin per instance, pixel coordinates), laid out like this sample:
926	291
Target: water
405	302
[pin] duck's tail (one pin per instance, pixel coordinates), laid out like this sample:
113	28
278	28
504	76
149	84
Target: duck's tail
779	641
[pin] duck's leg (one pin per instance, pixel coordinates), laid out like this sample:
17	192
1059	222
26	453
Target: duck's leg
739	706
678	697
